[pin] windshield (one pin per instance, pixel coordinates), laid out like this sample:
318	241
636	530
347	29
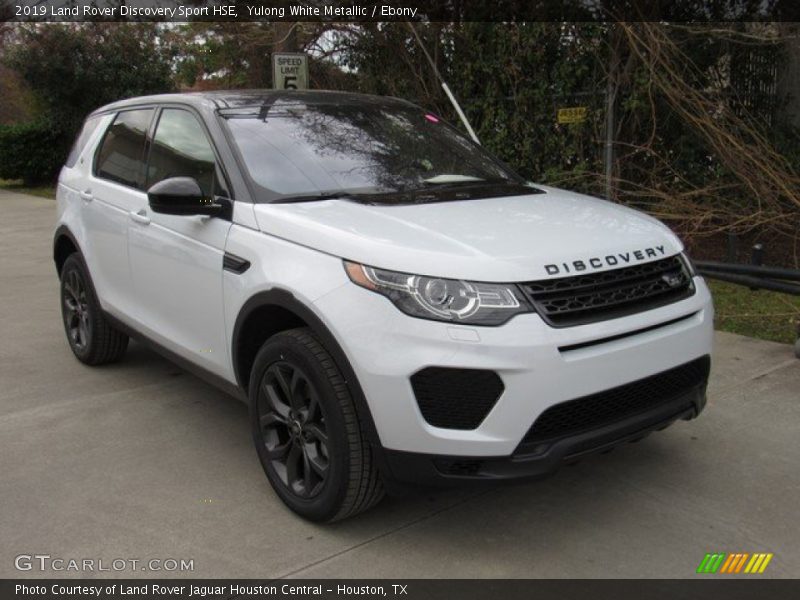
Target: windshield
297	150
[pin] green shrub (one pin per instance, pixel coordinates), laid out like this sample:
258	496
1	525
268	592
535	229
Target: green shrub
33	152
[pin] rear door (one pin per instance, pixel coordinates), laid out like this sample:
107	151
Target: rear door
176	261
113	192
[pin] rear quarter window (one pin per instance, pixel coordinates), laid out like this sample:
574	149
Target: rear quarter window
89	127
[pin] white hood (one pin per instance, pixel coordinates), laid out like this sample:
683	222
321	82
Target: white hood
510	239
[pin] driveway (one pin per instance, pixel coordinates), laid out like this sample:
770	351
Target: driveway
142	460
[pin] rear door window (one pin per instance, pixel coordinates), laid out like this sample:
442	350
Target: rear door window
121	155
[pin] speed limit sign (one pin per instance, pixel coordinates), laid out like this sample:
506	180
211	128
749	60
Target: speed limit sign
289	71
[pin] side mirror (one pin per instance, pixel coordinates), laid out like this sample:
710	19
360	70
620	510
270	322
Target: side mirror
181	196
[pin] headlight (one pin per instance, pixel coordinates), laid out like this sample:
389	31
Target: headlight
450	300
689	264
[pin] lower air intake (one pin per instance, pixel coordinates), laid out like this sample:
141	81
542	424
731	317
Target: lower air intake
604	408
456	398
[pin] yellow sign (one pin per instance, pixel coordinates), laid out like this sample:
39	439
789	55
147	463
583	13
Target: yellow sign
576	114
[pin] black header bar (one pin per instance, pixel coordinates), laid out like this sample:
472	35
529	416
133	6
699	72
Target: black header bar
703	587
399	10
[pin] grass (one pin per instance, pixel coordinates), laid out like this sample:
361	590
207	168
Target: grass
43	191
764	315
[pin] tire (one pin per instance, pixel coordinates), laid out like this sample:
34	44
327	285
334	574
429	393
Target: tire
306	430
93	340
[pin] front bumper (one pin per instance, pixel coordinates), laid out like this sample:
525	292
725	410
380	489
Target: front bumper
432	470
539	365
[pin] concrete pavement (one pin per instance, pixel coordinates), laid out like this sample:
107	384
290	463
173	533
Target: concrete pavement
142	460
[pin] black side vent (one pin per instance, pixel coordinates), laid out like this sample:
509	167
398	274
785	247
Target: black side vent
235	264
456	398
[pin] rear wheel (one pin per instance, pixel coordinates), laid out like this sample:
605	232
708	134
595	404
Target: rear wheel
306	430
91	337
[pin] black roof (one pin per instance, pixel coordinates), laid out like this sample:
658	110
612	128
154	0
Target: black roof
240	98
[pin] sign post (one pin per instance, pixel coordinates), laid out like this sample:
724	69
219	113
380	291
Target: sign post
289	71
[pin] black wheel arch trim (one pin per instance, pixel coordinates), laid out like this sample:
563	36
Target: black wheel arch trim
284	299
61	232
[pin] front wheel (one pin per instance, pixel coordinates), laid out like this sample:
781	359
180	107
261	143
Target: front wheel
306	430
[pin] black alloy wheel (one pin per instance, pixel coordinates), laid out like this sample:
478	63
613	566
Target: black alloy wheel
293	429
77	318
307	431
92	339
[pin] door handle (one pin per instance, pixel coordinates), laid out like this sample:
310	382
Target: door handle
86	196
140	217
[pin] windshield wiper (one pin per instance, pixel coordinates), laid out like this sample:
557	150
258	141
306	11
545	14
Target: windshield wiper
446	178
315	197
449	180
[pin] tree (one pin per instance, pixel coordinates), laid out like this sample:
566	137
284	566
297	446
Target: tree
698	134
214	55
17	101
74	68
71	69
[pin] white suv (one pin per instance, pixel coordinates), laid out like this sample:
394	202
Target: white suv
394	304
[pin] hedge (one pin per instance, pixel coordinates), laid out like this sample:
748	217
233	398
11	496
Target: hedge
33	152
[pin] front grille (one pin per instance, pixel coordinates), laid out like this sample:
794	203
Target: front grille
456	398
604	408
594	297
